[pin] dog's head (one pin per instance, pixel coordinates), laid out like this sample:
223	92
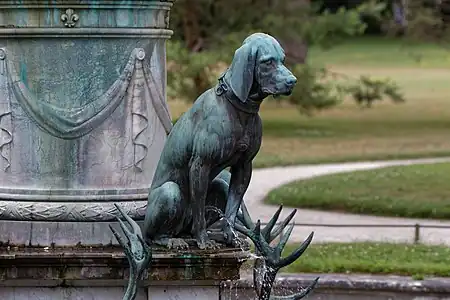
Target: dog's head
258	70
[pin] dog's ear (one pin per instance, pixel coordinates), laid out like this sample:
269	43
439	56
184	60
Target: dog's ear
240	74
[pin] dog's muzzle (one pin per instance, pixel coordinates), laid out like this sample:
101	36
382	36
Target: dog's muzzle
290	82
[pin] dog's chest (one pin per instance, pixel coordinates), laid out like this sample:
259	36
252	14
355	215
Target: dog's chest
246	138
243	144
245	132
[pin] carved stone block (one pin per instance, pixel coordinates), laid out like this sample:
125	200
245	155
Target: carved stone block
99	273
83	116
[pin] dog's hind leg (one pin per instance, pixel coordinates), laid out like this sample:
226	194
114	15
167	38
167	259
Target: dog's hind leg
217	197
216	201
164	217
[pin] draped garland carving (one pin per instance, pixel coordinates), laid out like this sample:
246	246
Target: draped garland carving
72	123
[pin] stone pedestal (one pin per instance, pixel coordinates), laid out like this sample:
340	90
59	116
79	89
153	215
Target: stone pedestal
83	121
83	115
101	274
178	291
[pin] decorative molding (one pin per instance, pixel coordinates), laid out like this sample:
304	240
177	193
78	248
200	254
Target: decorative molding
139	112
72	195
167	19
69	212
104	4
6	136
123	33
70	18
158	101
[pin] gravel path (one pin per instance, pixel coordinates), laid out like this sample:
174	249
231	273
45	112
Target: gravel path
265	180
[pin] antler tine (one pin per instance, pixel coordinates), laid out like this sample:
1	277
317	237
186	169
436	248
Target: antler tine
240	217
146	247
121	241
125	229
257	231
261	244
244	230
254	235
305	292
266	232
279	229
246	219
130	221
284	238
297	253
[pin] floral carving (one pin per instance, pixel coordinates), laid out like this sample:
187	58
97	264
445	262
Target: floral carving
65	211
70	18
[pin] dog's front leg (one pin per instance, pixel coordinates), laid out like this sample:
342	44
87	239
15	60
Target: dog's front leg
198	186
240	180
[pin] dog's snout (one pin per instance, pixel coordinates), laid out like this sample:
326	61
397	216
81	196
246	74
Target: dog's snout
291	80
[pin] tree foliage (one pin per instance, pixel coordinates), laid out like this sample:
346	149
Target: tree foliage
368	90
207	32
417	20
320	89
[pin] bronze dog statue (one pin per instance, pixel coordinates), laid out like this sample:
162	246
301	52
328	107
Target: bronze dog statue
222	129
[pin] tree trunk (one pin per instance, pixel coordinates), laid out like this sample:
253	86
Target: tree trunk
296	51
191	26
193	40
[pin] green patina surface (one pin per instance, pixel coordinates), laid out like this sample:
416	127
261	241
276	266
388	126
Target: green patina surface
133	14
69	80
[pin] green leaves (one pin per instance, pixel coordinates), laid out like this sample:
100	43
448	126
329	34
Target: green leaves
367	90
319	88
185	67
221	27
314	90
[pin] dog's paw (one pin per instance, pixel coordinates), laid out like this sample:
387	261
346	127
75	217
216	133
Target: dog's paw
204	242
177	244
238	242
231	236
211	245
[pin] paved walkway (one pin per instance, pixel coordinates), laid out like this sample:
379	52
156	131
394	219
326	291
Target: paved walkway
265	180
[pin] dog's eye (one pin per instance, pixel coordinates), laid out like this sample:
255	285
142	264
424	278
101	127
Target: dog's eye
268	62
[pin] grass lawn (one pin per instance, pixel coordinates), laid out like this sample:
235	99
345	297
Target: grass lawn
419	191
379	51
375	258
418	128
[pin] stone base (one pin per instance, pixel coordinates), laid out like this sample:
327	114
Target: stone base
57	234
189	292
94	273
67	293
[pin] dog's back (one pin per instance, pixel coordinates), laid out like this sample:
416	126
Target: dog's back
208	116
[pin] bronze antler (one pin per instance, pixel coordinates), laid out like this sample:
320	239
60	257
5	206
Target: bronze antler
267	266
136	250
